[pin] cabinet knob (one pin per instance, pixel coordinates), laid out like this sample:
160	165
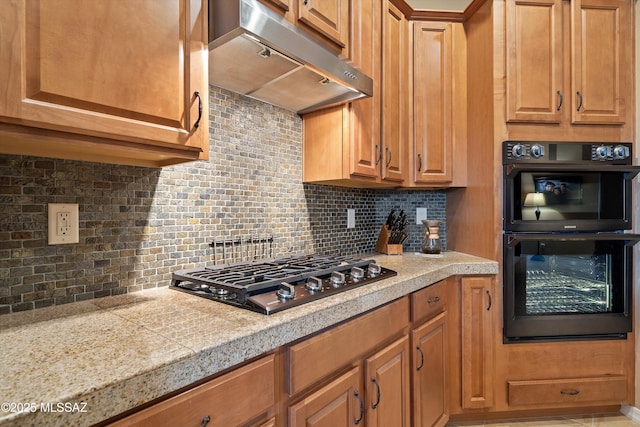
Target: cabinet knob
205	421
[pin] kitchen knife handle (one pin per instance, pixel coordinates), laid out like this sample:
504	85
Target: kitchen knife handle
197	123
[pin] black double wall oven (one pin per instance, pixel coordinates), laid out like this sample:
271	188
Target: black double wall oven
567	246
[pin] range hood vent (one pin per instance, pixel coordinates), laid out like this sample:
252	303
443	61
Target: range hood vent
256	52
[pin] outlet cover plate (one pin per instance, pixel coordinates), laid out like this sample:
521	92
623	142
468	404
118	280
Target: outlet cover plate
63	214
351	218
421	213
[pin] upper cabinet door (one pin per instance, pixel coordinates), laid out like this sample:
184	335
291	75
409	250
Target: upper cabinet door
394	91
114	69
534	60
432	100
329	17
601	59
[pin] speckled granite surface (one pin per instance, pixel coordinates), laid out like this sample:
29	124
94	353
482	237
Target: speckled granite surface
81	363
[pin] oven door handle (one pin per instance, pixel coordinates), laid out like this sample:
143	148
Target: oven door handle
629	171
512	239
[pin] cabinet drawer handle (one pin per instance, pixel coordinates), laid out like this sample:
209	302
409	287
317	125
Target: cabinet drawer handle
419	162
357	420
490	301
205	421
375	405
421	358
570	392
433	300
379	157
389	155
559	101
197	123
579	100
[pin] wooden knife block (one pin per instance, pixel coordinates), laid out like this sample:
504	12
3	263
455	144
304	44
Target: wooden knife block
383	246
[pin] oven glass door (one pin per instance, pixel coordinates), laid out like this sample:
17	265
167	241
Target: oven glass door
547	198
567	286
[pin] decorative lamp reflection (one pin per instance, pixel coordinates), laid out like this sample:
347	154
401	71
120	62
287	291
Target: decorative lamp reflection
535	199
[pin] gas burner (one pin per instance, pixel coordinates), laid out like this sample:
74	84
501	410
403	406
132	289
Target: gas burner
269	286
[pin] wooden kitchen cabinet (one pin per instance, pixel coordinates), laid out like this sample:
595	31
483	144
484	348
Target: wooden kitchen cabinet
246	394
388	390
342	145
357	374
338	404
438	153
477	332
105	81
395	90
430	346
590	88
327	21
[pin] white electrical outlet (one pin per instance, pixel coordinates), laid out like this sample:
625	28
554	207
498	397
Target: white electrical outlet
351	218
64	223
421	213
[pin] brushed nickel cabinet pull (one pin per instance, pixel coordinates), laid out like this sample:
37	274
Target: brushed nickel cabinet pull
205	421
197	123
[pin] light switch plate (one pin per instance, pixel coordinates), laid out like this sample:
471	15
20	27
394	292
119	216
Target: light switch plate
63	224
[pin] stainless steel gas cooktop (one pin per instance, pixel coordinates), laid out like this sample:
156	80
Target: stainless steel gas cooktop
269	286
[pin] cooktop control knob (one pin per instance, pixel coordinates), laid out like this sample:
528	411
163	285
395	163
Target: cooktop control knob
518	151
337	279
537	151
603	152
357	273
620	152
314	284
286	291
374	269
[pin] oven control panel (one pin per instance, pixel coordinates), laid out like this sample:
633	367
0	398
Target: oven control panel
618	153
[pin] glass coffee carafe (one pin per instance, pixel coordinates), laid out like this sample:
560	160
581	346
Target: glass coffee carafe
431	243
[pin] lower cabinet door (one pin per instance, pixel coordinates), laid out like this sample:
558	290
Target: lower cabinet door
338	404
430	403
388	388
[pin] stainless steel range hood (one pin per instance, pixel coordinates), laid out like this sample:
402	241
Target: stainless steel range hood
257	53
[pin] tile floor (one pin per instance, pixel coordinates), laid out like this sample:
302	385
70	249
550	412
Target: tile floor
601	420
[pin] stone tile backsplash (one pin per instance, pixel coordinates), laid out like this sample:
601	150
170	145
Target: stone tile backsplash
139	224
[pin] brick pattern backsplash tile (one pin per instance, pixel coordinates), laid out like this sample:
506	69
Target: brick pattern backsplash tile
139	224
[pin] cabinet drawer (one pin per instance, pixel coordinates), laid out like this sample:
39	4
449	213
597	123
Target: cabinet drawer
562	392
429	301
315	358
250	387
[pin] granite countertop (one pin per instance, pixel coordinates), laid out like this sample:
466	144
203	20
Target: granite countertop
81	363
